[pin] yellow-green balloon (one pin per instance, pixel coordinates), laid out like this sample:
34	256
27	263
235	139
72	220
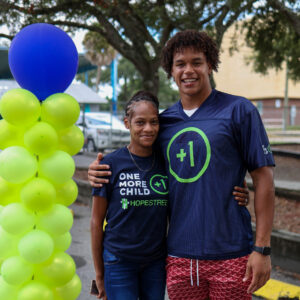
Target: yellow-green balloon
8	244
36	246
16	219
17	164
41	138
56	221
38	194
71	290
67	193
58	167
62	242
71	140
20	107
7	291
16	271
10	135
59	270
35	291
60	110
8	192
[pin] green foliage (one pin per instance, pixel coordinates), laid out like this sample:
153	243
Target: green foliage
274	41
138	30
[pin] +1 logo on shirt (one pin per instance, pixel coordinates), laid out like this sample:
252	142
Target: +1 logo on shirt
188	154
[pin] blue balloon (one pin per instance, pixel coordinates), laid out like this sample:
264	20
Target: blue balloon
43	59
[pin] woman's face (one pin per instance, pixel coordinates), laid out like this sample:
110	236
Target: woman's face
143	124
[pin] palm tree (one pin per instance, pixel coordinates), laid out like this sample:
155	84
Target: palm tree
99	52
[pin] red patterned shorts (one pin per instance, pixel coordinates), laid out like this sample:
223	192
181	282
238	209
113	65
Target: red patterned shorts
192	279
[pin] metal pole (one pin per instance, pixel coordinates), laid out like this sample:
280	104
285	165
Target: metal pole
286	98
114	82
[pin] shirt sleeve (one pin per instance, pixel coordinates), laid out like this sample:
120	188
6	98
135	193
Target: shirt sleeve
104	191
253	141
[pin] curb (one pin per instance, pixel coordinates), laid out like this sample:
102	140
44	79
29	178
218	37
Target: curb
286	153
280	191
275	289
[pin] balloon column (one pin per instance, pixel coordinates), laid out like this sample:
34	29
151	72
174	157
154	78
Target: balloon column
38	138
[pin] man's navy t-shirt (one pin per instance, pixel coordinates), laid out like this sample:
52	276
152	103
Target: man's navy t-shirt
137	206
206	155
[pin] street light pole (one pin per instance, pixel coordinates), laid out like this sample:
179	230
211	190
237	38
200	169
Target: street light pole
286	98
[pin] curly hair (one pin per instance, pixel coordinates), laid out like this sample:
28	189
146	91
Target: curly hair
140	96
200	41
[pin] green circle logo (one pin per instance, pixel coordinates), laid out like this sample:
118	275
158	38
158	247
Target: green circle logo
183	155
158	184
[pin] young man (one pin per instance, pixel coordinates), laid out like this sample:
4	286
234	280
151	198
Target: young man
209	140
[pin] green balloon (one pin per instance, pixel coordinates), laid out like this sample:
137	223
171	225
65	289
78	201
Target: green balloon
71	290
56	221
20	107
8	244
59	270
7	291
10	135
62	242
67	193
58	167
38	194
16	219
36	246
71	140
41	138
35	291
8	192
17	165
16	271
60	110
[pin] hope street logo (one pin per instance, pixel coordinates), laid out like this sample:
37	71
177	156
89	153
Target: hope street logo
267	149
154	202
124	203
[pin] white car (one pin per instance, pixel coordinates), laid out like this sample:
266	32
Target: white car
102	130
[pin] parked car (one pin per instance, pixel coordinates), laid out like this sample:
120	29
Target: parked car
102	130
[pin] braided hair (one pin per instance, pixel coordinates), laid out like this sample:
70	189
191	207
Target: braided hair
137	97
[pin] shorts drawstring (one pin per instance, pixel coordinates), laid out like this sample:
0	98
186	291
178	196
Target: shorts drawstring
191	271
197	274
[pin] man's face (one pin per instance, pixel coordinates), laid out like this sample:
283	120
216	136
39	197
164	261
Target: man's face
191	72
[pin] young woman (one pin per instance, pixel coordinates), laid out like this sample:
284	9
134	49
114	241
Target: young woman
129	257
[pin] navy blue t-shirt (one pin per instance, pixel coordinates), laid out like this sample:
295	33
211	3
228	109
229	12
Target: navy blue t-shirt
206	155
137	206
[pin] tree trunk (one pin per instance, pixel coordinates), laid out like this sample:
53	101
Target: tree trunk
151	80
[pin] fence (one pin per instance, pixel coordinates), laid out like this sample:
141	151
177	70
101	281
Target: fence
274	117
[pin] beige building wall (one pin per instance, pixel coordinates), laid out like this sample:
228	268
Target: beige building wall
238	78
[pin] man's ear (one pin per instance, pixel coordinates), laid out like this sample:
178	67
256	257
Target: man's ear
127	123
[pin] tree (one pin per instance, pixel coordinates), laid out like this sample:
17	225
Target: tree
291	13
138	30
99	53
273	34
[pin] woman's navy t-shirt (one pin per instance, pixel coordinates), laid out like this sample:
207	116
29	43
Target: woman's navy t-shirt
137	206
